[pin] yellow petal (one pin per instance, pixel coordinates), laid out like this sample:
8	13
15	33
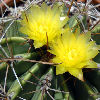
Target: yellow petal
76	73
60	69
91	64
38	44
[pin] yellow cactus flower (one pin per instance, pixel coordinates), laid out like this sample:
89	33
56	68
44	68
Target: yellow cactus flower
42	24
74	52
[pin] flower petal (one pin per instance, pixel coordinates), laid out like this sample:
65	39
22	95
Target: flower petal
91	64
77	73
60	69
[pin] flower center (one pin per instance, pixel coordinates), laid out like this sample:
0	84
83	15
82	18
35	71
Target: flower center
72	54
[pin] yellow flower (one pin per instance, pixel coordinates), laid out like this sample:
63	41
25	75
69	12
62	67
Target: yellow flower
74	52
42	24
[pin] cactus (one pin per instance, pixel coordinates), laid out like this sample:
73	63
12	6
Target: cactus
27	73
